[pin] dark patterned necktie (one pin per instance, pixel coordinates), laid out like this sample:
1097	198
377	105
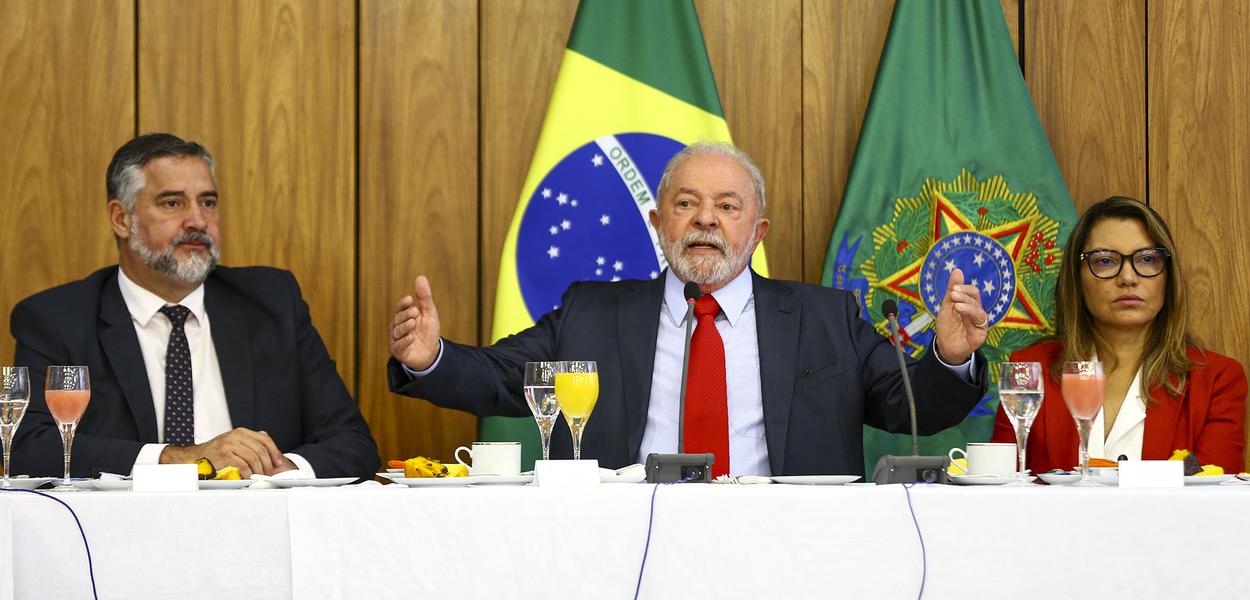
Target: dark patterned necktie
179	399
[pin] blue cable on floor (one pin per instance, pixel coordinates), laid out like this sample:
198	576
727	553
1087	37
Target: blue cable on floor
651	520
90	567
924	558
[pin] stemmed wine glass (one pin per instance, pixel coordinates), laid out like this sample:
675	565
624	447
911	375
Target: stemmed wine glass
540	393
1020	391
14	397
67	392
577	390
1083	391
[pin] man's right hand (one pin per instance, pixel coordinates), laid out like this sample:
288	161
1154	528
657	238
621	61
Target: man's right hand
250	451
414	330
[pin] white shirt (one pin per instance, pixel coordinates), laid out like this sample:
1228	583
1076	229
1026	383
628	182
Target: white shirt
152	327
1127	432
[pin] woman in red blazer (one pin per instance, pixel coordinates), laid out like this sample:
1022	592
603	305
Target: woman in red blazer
1120	299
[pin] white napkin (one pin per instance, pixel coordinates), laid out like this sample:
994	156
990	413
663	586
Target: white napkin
261	481
634	473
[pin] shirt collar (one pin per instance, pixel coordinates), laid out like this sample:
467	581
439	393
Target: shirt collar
732	298
144	305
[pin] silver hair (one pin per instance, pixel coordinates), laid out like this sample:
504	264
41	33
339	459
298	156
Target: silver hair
125	172
718	149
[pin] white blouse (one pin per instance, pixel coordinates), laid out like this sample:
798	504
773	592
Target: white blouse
1127	431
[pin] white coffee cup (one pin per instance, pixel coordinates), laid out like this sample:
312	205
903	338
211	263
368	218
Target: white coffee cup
492	458
986	458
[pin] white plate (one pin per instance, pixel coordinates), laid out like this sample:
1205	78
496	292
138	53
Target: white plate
815	479
112	485
499	479
29	483
224	484
433	481
390	475
317	482
986	479
1207	479
1060	478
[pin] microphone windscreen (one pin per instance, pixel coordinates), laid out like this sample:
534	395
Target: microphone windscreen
692	291
889	307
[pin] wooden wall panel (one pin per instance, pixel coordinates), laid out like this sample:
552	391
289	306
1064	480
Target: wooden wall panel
758	66
1199	159
66	102
836	88
521	46
1085	65
418	200
269	87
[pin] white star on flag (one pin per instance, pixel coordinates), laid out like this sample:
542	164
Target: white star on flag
553	252
546	192
655	274
554	230
978	259
597	160
950	266
563	198
618	265
928	287
605	219
988	286
601	261
565	224
574	203
598	271
614	278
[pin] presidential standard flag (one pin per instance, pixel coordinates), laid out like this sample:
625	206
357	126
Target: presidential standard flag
952	170
634	87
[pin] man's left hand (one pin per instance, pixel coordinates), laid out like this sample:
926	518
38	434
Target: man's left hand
961	321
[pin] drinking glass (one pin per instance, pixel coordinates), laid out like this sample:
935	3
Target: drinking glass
540	393
67	391
577	390
1020	392
14	397
1083	391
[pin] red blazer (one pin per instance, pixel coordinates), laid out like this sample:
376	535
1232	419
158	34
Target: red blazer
1208	418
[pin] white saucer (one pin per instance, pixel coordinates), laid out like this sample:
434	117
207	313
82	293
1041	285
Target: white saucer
1060	478
224	484
112	485
433	481
498	479
1207	479
815	479
314	482
986	479
29	483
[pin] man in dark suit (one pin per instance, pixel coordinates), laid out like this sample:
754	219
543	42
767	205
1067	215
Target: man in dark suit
187	359
783	375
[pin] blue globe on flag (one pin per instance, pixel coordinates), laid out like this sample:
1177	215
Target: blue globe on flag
586	220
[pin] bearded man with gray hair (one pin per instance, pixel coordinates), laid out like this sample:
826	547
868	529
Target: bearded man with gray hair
187	359
783	375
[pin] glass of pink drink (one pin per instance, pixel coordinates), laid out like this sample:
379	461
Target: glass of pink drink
66	392
1083	391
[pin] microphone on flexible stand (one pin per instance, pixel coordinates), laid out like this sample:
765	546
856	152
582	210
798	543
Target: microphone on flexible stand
906	469
663	468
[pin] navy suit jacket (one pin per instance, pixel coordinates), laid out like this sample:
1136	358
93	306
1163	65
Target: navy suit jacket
276	372
824	373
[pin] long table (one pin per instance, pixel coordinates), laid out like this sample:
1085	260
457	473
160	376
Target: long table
706	541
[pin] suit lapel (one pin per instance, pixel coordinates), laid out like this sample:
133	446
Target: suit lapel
1161	422
777	328
234	353
638	322
121	350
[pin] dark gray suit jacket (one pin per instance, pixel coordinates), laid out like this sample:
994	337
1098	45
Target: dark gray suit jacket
824	373
277	374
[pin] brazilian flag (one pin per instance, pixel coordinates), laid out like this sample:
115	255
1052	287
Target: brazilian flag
952	170
635	86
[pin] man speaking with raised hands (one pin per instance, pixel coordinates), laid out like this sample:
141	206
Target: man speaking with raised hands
783	375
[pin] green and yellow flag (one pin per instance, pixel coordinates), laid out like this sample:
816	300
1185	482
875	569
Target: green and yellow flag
952	170
635	86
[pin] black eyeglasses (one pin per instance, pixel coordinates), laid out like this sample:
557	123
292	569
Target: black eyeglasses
1106	264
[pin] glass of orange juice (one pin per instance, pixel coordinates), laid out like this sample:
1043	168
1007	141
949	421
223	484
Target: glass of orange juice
66	392
1084	389
577	391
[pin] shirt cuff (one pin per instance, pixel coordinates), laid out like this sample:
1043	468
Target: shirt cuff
964	371
434	365
149	454
301	463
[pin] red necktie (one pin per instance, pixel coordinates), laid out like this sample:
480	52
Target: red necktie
707	405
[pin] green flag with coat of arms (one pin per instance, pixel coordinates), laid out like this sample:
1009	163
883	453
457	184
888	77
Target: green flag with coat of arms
952	170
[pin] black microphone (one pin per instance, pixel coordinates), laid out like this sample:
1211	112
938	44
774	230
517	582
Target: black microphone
681	467
906	469
692	293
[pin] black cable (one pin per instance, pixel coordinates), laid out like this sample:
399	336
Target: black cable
90	566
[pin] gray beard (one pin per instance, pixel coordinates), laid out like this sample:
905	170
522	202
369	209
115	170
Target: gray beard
193	269
704	270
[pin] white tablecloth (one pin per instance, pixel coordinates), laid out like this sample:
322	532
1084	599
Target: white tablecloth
707	541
